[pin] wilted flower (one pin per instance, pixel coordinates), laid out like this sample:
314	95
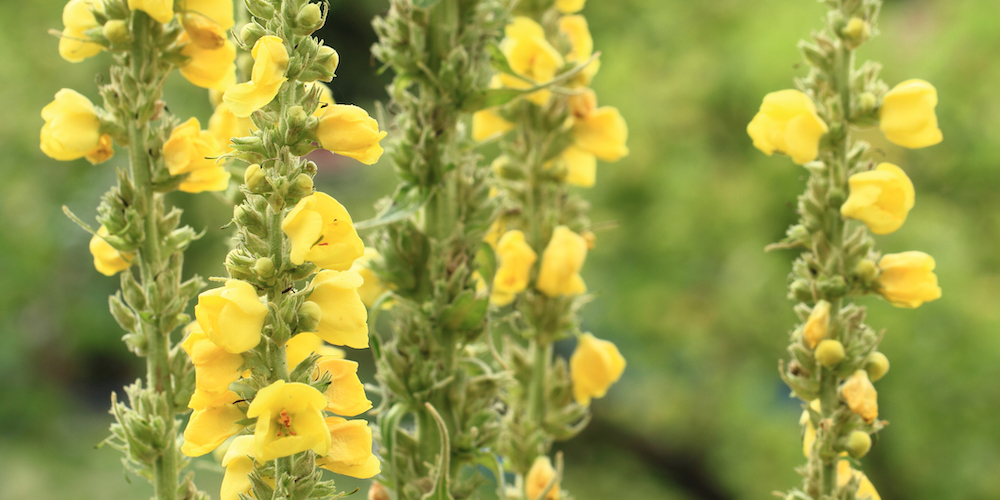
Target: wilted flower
861	396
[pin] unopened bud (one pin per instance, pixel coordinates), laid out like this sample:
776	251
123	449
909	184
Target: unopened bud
868	101
250	33
858	30
378	492
329	58
254	178
310	315
309	17
296	114
590	238
867	270
302	186
116	31
877	366
801	290
829	352
260	8
264	267
858	444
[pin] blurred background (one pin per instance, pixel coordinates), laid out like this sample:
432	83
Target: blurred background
684	286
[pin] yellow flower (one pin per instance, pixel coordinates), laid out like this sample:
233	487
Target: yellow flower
880	198
213	421
214	367
809	435
239	464
224	125
488	124
539	476
72	129
561	263
907	117
350	449
818	324
372	288
325	97
289	421
570	6
496	230
78	17
580	165
861	396
516	259
301	346
188	151
266	78
593	367
207	21
345	394
209	68
231	316
531	56
107	259
575	29
602	133
348	131
907	279
321	231
866	490
787	123
344	320
161	10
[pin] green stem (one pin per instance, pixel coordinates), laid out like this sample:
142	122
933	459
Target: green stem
158	376
536	392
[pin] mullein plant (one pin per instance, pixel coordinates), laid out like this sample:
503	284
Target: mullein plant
139	236
849	197
266	379
438	419
550	142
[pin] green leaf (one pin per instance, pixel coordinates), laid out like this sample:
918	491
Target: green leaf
406	202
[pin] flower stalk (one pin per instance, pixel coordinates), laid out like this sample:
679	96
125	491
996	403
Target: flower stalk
849	197
550	137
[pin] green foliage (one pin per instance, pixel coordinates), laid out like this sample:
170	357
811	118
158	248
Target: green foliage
685	289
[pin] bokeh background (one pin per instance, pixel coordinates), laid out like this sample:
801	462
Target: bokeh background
684	286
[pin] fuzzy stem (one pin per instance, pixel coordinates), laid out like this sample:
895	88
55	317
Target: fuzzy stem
536	392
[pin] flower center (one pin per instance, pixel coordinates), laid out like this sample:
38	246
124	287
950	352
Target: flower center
285	424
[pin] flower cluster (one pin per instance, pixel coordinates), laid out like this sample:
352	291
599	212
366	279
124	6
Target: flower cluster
551	137
849	198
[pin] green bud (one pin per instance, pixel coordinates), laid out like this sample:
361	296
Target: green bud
309	18
829	352
801	290
296	114
302	186
857	31
877	366
260	8
116	31
866	270
858	443
310	315
255	178
868	101
329	58
264	267
250	33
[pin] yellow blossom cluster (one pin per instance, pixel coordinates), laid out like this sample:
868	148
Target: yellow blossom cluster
290	417
596	132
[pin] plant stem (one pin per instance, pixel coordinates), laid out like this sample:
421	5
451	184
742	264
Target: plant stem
536	392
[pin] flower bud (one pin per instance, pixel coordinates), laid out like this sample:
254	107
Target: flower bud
255	178
858	443
877	366
857	31
302	186
861	396
866	270
868	101
264	267
818	324
310	314
296	114
250	33
309	18
260	8
829	352
116	31
801	290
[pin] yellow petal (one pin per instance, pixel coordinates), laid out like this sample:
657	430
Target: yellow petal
539	476
603	133
907	279
210	68
570	6
907	116
787	123
72	128
516	260
581	166
487	124
345	394
348	130
562	261
77	18
209	427
108	260
880	198
268	74
345	318
239	464
161	10
594	366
